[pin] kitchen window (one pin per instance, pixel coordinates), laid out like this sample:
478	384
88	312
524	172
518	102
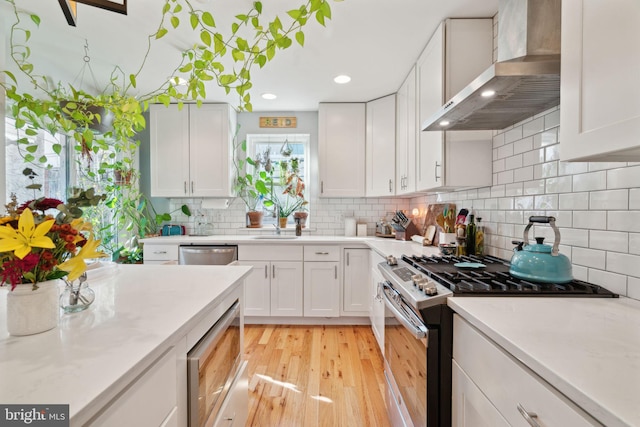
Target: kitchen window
286	151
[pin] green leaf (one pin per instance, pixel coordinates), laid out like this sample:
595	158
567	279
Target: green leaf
261	187
186	210
161	33
32	148
207	19
11	76
36	19
242	17
294	13
326	9
194	21
29	158
175	21
132	79
237	55
300	38
218	43
320	17
271	50
261	60
177	9
166	8
43	159
205	36
234	27
31	132
258	6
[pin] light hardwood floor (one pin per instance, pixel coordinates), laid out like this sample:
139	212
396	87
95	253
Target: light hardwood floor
307	376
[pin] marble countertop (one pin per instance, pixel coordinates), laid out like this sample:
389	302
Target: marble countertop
138	313
381	245
587	348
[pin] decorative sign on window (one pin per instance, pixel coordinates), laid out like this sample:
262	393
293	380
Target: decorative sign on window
278	122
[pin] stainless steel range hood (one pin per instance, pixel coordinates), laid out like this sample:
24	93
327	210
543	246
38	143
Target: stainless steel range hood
525	80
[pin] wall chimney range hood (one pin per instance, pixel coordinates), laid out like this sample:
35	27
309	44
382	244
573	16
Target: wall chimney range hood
523	82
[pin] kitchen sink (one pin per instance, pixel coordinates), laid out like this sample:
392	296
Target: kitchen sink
275	237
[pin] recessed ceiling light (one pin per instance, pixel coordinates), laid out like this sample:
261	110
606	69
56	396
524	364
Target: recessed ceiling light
488	93
268	96
444	123
342	79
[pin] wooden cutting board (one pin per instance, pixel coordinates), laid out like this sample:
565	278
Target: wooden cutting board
433	211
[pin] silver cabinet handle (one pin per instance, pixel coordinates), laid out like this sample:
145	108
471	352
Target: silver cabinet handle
160	252
435	169
273	271
266	271
335	267
390	189
322	253
347	258
528	416
185	187
192	186
321	187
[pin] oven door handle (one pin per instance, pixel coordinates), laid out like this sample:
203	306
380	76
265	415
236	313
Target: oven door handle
403	313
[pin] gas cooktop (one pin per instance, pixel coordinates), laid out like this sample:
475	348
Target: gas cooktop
488	275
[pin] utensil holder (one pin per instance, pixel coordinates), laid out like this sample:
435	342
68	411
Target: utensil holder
410	230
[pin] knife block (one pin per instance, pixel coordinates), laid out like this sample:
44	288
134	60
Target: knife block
411	230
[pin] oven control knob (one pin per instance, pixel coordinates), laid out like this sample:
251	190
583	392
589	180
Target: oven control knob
391	260
430	289
416	278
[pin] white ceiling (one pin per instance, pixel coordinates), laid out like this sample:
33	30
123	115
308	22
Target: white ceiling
374	41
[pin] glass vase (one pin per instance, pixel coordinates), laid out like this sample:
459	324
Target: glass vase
76	296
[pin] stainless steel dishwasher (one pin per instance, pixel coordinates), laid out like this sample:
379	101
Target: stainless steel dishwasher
207	254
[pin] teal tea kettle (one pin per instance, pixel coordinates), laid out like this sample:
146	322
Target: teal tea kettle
540	262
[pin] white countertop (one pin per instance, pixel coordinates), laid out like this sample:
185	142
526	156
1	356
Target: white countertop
138	312
381	245
587	348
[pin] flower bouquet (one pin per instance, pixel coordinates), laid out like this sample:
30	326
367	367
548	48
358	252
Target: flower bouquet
37	248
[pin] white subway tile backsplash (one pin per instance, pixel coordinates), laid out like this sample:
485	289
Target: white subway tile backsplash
546	201
572	168
580	273
572	236
505	151
497	191
623	263
513	162
513	135
543	139
600	166
611	199
634	198
498	140
561	184
491	204
505	177
548	170
514	189
552	119
533	157
624	221
523	145
623	177
609	240
614	282
533	127
590	181
577	201
595	220
551	153
522	203
514	217
589	258
534	187
633	287
505	203
523	174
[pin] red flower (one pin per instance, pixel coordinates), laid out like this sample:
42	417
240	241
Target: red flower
12	270
40	204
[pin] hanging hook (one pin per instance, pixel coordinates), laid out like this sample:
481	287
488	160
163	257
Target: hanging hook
86	51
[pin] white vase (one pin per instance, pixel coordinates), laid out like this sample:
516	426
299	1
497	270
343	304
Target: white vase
33	311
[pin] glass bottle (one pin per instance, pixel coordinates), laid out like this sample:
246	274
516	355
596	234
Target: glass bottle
480	238
471	236
298	227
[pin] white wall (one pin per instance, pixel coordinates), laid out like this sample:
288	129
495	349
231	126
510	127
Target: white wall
597	205
3	142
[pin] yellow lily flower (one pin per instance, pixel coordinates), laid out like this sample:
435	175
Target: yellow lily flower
27	235
76	265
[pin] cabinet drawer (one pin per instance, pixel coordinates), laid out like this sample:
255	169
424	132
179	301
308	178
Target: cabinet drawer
270	252
160	252
508	383
235	409
322	253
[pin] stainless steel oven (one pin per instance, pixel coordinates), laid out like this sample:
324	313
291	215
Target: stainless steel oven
212	365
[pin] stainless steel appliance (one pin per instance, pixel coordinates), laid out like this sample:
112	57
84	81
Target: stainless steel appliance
418	325
212	364
207	254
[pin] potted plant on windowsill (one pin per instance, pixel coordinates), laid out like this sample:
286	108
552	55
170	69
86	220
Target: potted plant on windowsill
292	198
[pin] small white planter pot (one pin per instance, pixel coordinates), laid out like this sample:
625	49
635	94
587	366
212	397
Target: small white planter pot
31	311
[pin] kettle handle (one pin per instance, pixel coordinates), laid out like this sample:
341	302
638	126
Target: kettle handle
544	220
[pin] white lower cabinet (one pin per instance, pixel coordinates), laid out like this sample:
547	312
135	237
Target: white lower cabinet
159	254
257	291
321	289
376	310
505	384
355	289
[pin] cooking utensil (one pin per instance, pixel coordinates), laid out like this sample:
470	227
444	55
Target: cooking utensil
539	262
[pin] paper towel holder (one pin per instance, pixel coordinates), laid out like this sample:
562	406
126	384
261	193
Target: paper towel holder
215	203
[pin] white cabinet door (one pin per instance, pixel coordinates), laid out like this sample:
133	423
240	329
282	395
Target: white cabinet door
190	150
211	129
286	288
169	150
600	90
406	133
355	285
380	146
257	288
458	51
341	149
377	306
321	289
471	408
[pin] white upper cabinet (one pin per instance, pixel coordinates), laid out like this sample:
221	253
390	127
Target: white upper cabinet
457	53
341	149
191	150
406	133
600	89
381	146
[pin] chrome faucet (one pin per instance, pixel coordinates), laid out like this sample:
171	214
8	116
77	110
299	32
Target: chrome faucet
277	224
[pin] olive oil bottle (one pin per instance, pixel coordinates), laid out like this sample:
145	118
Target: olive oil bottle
471	236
